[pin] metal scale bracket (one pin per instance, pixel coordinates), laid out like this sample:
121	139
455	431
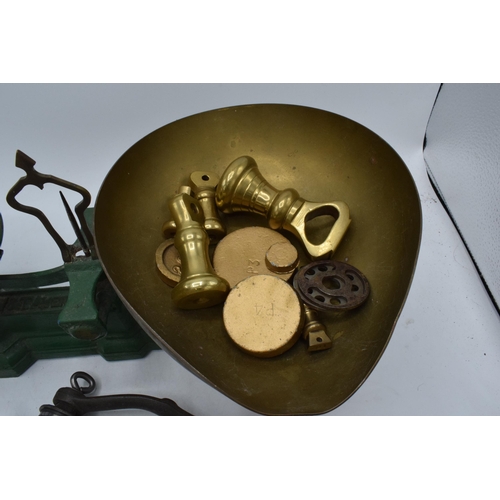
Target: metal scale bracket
41	317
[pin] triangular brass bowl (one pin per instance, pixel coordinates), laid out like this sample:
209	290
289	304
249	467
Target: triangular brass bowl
325	157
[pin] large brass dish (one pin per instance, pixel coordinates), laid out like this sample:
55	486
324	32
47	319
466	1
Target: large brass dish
325	157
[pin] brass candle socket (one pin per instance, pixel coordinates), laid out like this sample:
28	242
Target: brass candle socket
199	286
243	189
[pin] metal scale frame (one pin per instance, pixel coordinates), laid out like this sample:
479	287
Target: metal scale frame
118	314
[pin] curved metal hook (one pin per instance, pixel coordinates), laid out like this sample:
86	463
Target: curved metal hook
34	178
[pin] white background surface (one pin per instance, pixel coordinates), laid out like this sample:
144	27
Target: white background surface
463	152
444	355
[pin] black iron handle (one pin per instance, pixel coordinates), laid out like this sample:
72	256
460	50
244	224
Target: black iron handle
73	401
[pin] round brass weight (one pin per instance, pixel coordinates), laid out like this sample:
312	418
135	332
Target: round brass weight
263	316
282	258
242	254
168	262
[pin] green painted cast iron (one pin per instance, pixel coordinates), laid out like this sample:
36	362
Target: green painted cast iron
325	157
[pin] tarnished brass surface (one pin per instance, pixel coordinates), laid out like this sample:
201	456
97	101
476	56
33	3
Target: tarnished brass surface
263	316
326	157
199	286
168	262
282	258
242	188
242	254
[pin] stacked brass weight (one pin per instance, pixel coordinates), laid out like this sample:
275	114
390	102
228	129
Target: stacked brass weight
242	254
168	262
169	228
202	184
199	286
243	189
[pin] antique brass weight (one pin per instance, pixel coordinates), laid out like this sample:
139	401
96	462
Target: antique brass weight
315	332
199	286
243	189
202	185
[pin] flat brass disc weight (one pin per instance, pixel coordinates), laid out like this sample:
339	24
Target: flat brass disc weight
242	254
325	157
263	316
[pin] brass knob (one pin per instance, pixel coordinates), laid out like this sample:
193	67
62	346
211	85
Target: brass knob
199	286
243	189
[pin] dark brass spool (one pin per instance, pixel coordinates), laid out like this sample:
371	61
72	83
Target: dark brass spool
327	157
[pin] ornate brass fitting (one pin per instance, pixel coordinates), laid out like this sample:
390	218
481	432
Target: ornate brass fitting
199	286
243	189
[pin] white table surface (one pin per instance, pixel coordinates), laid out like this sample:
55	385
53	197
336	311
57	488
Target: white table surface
444	354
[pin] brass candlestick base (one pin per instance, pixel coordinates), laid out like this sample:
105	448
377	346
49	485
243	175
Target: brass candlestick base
243	189
199	286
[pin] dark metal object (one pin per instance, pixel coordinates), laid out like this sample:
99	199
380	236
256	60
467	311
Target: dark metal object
36	317
37	179
74	225
73	401
31	329
1	234
329	285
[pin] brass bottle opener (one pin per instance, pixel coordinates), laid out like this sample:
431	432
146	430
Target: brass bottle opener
243	189
199	286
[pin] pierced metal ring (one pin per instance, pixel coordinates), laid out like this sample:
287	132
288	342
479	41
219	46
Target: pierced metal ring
330	285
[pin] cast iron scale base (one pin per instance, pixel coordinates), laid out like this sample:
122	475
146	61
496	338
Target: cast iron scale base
40	319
